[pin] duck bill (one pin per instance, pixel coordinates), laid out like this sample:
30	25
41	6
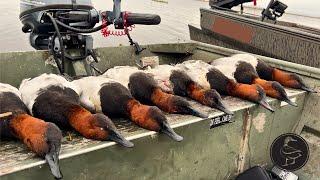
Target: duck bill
266	105
52	159
170	132
224	109
118	138
287	100
195	112
308	89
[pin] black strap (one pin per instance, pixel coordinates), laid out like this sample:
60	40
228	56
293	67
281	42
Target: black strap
74	5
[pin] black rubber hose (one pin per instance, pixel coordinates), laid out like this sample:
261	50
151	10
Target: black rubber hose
80	30
61	68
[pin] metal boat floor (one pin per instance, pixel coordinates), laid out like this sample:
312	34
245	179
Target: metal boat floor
14	155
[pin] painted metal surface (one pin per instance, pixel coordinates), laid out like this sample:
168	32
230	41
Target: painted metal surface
248	33
219	153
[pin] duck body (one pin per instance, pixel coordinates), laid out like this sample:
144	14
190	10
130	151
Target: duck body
115	100
144	87
269	73
50	96
54	99
245	72
41	137
196	70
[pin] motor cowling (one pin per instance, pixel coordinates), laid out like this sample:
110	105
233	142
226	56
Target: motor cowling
75	13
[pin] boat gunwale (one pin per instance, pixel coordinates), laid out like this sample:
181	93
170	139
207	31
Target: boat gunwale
273	27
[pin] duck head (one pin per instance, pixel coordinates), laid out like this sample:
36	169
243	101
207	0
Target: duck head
274	89
41	137
95	126
164	127
213	99
44	139
104	129
174	104
53	139
151	118
183	85
290	80
254	93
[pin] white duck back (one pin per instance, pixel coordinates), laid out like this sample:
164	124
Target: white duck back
30	88
8	88
161	75
121	73
228	65
197	70
247	58
90	86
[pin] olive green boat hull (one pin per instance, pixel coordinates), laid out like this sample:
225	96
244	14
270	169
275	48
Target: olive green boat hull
218	153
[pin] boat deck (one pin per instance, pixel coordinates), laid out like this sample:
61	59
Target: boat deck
15	157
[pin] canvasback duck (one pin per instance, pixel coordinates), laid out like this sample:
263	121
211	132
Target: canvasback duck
113	99
54	99
43	138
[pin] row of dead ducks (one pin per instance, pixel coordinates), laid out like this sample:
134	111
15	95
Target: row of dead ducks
48	102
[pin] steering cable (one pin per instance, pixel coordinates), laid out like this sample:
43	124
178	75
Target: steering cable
62	50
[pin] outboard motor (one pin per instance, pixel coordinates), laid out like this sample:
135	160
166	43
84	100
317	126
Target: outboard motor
59	26
78	14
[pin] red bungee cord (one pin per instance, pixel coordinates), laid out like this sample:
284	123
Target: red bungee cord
106	32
